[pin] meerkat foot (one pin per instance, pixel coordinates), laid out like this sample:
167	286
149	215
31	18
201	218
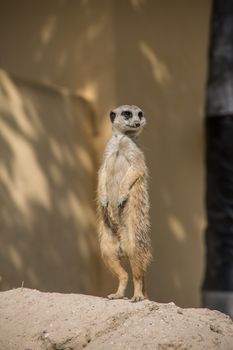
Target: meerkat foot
137	298
115	296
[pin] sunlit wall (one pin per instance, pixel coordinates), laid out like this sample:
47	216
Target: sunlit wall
105	53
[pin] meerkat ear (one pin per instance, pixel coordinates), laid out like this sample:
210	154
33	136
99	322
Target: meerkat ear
112	116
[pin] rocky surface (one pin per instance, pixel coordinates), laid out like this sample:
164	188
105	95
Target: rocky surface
31	320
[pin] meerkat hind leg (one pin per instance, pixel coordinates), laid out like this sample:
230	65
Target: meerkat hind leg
138	281
110	253
116	268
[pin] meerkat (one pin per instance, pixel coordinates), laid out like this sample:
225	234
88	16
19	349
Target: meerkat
123	202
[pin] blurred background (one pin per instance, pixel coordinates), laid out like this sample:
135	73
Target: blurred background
64	64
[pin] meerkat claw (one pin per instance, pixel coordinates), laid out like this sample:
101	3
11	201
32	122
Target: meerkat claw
121	202
104	203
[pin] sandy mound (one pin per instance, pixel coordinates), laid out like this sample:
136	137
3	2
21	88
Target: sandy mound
33	320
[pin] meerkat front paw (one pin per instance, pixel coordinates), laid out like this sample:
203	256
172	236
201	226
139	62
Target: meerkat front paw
121	201
104	201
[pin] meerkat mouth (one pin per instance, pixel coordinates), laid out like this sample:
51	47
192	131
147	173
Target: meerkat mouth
133	126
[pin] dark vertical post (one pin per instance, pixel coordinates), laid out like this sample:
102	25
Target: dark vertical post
218	279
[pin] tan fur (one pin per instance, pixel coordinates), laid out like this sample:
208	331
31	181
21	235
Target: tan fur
123	202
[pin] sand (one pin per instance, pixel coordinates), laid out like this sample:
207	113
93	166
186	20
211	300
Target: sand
31	320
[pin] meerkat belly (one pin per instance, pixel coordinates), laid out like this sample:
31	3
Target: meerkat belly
116	170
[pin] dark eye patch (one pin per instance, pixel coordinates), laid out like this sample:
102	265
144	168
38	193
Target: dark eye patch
127	114
112	116
140	114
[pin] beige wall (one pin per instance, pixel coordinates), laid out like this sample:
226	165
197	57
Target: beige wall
47	175
164	72
145	52
66	42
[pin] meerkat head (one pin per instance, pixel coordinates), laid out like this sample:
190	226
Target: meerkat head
128	119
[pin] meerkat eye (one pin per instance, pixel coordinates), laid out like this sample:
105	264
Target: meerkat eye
140	114
127	114
112	116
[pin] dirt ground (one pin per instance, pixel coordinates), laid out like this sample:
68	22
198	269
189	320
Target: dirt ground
31	320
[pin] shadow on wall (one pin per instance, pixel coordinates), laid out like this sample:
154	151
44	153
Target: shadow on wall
47	173
66	42
144	52
160	57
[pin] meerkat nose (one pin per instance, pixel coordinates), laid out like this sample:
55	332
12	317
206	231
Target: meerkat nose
137	125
